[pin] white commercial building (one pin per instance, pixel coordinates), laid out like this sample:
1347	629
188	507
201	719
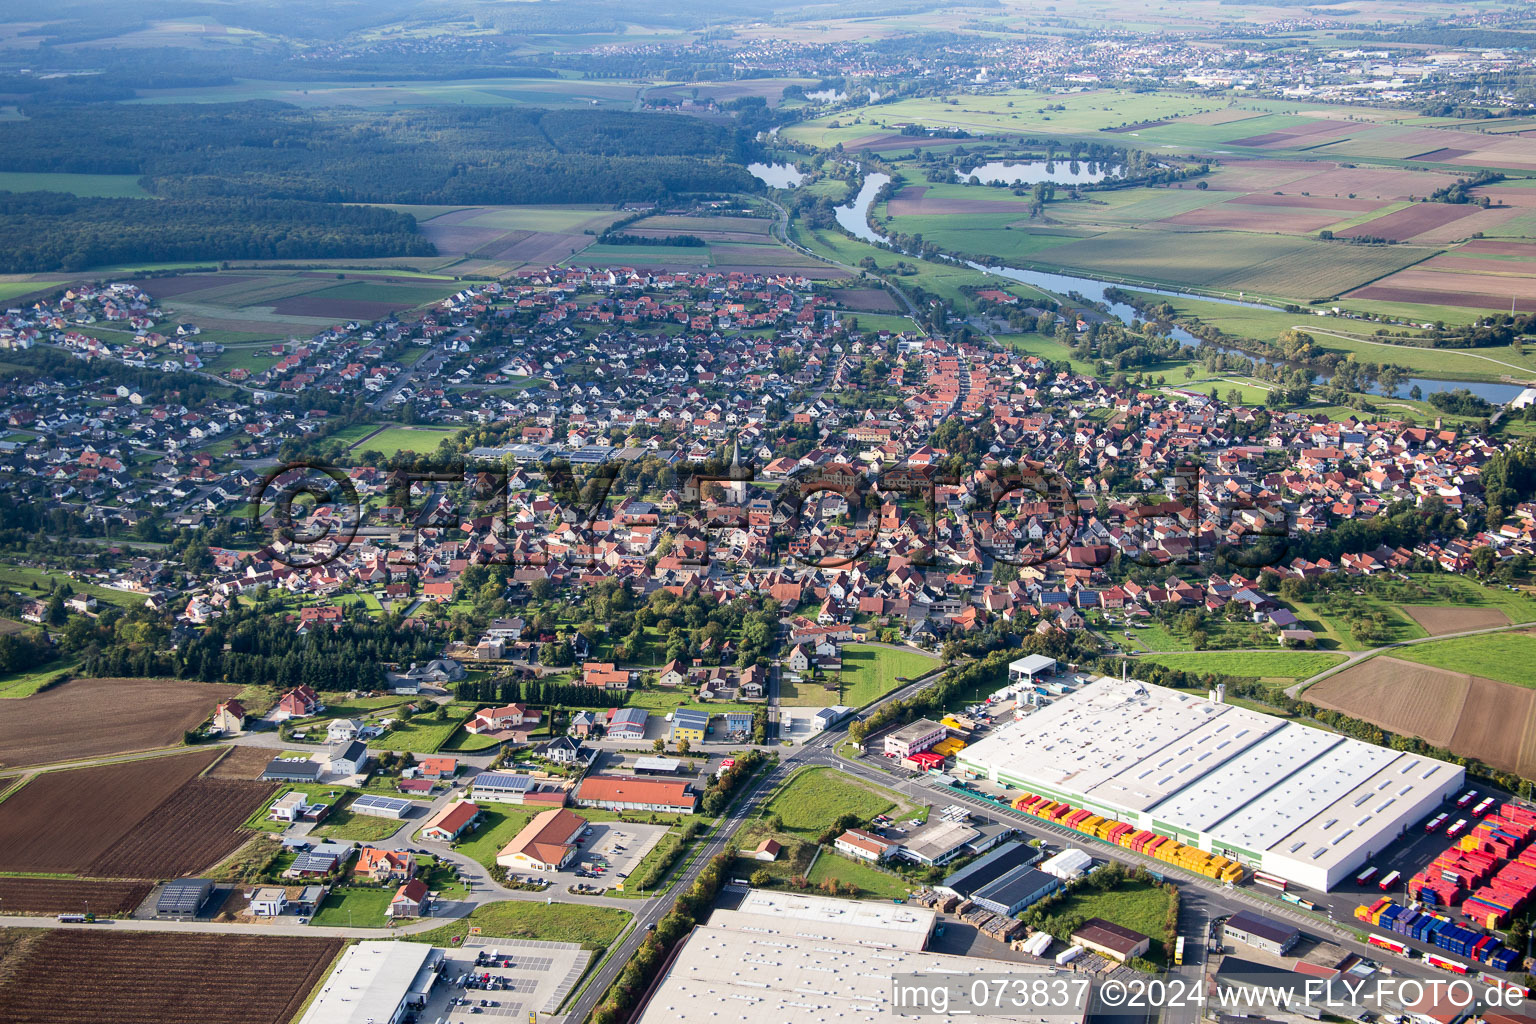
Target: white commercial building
376	982
1308	805
1030	667
790	957
1068	864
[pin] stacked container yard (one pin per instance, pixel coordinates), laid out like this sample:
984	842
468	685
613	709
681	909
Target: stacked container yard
1492	866
1141	841
1438	930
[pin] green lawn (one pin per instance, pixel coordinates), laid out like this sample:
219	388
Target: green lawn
467	742
419	736
870	672
1507	657
347	907
363	828
1156	636
38	582
380	291
25	684
592	927
659	701
816	798
397	439
1140	906
501	823
10	289
872	883
1276	665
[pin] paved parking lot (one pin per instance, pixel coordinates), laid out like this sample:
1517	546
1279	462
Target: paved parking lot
603	844
523	978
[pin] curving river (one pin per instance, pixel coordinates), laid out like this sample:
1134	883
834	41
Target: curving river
855	219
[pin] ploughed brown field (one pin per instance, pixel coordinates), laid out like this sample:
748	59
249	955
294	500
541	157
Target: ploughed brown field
894	140
90	717
240	763
71	895
1310	203
873	300
61	822
913	201
1469	715
1439	621
190	831
1406	223
1238	216
125	977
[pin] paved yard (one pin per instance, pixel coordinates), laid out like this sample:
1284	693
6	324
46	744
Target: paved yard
528	977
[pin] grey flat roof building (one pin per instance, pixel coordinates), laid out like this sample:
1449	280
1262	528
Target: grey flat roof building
292	769
183	897
1019	888
983	872
1261	932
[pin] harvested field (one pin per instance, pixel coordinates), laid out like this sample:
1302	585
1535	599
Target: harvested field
813	270
1438	620
1308	202
69	895
1440	154
1468	715
146	713
194	828
170	287
1452	289
1260	175
1483	247
60	822
674	225
1480	221
156	978
1309	134
1405	224
1238	217
1222	116
872	300
922	207
1468	300
891	140
1234	261
1370	182
240	763
530	234
1479	265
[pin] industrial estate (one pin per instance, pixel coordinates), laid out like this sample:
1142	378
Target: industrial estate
1309	806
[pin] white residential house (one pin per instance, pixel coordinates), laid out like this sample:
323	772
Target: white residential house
269	901
343	729
350	759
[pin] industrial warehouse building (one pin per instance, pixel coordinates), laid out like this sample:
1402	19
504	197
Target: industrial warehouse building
791	957
1111	939
1260	932
1301	803
376	982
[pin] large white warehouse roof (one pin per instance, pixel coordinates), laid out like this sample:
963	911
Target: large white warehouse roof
1297	801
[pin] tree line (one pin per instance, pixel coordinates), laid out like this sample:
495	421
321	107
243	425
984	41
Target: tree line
436	155
45	231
